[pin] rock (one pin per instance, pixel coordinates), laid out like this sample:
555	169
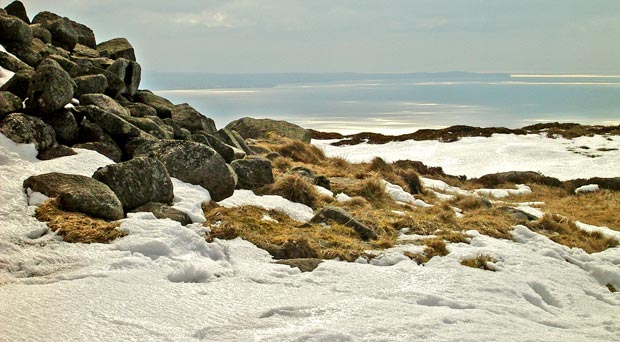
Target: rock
225	150
51	88
179	133
90	131
259	149
14	32
65	126
84	51
253	173
63	34
107	149
149	126
25	129
128	71
78	193
163	211
12	63
137	182
194	163
323	181
117	48
41	33
26	54
518	215
136	143
85	35
104	102
90	84
17	9
163	107
341	216
19	84
70	67
187	117
115	84
140	110
112	124
259	128
9	103
304	265
292	249
55	152
233	139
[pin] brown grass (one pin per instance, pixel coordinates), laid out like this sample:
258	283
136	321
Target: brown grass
77	227
295	188
565	232
412	180
598	208
327	242
301	152
480	261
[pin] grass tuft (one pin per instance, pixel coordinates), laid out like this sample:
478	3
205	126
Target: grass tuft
301	152
480	261
77	227
295	188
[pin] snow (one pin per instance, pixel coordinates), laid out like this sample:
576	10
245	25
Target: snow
189	198
399	195
477	156
521	189
296	211
164	282
324	192
342	197
587	188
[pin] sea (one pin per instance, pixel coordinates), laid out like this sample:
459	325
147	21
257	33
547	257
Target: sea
397	103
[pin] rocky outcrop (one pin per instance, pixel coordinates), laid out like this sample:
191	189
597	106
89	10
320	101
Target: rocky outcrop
341	216
260	128
253	173
112	124
65	126
194	163
19	84
137	182
162	106
233	139
129	72
14	33
26	129
109	150
55	152
90	84
17	9
51	88
78	193
104	102
187	117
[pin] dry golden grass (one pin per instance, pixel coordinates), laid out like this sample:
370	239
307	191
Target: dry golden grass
434	247
301	152
326	242
295	188
600	208
480	261
565	232
77	227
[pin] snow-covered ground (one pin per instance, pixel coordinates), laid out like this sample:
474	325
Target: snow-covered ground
474	157
163	282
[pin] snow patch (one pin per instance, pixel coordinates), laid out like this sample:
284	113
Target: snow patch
297	211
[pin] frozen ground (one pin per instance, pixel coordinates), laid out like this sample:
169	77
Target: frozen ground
565	159
163	282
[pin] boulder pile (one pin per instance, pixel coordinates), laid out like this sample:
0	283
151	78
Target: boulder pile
65	90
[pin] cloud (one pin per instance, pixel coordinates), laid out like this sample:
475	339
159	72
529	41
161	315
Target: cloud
205	18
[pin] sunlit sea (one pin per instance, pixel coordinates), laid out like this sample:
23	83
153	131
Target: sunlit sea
403	106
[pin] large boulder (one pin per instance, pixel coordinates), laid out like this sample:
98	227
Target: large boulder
341	216
85	35
90	84
51	88
193	163
137	181
163	107
78	193
104	102
517	177
140	110
128	71
110	150
9	103
260	128
112	124
187	117
17	9
69	66
90	131
63	34
26	129
163	211
41	33
117	48
253	173
150	126
14	32
12	63
55	152
225	150
115	84
65	126
84	51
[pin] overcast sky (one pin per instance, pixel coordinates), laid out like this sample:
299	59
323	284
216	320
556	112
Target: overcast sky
254	36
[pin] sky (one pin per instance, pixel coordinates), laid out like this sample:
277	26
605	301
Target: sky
262	36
